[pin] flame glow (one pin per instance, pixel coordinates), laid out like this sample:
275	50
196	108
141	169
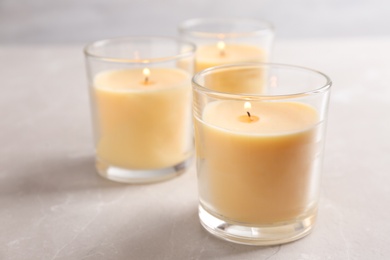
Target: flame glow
247	105
221	47
146	72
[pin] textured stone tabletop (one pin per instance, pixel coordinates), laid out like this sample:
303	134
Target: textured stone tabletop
54	206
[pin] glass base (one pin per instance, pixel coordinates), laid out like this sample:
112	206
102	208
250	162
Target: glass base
118	174
258	235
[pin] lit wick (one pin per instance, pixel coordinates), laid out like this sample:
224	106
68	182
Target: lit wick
249	114
248	118
248	106
221	47
146	73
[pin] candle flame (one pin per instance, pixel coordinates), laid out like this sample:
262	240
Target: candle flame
247	105
146	73
221	47
248	118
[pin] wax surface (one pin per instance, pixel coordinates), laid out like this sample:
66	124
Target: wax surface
236	80
274	118
261	172
209	55
143	126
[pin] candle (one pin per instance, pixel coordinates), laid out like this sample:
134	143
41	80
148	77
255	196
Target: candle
143	117
259	156
232	80
230	41
237	80
223	41
255	160
141	100
223	53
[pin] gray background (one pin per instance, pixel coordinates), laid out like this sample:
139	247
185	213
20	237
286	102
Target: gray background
80	21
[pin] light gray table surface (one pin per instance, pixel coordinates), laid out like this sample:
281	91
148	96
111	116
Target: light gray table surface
54	206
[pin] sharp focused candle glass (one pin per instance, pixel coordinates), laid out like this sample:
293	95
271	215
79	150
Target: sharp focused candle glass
259	153
140	91
225	41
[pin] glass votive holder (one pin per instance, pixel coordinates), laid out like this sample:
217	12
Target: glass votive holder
140	92
259	156
224	41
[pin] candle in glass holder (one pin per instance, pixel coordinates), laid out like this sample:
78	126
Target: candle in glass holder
259	154
143	119
220	53
141	106
227	41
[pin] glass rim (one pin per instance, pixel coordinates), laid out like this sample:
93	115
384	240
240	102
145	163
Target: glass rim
105	42
249	96
186	27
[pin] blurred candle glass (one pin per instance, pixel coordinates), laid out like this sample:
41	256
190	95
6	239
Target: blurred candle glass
259	156
140	91
224	41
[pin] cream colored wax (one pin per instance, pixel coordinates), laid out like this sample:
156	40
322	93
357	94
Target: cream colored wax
257	170
232	80
214	55
143	122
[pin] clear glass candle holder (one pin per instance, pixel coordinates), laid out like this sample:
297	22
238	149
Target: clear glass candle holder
225	41
140	92
259	152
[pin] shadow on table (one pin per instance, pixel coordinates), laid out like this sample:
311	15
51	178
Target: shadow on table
168	229
181	236
54	175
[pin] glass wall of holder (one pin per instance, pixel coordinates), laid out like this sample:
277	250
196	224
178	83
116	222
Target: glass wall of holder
259	150
140	92
224	41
